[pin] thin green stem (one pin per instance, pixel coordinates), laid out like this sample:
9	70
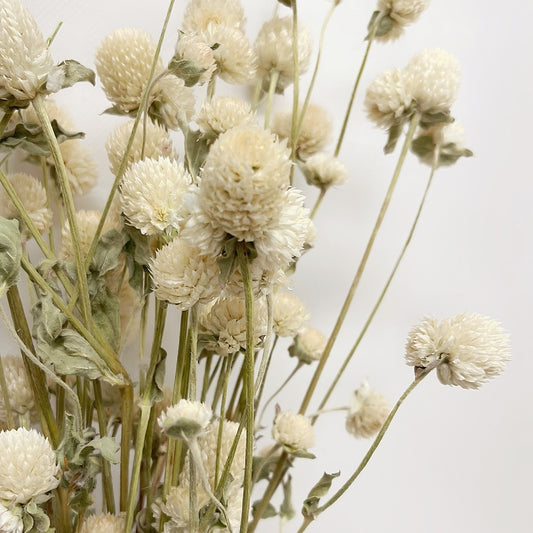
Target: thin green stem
193	335
349	297
267	346
296	85
274	77
125	443
381	296
257	94
318	202
259	393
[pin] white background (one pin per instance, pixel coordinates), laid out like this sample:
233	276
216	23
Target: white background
453	460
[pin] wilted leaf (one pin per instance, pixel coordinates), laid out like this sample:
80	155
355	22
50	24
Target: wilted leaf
310	504
10	252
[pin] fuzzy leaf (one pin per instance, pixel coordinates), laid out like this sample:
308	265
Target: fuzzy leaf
48	320
269	512
302	454
107	448
156	394
394	135
310	505
423	145
68	73
10	252
227	260
115	111
186	69
196	150
286	509
105	309
107	253
430	119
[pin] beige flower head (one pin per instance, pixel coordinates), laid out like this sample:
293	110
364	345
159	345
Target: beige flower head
222	113
309	345
33	197
200	14
399	14
123	63
104	523
194	50
314	133
274	51
471	348
290	314
294	431
11	519
325	171
173	102
367	412
185	419
157	143
183	276
29	466
244	179
19	389
81	167
152	193
25	60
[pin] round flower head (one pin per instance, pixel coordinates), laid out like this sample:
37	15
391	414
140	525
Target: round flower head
123	63
324	171
367	413
82	170
29	466
472	348
25	60
309	345
151	194
33	197
193	49
314	133
19	389
274	51
199	14
432	78
183	276
294	431
290	314
11	519
388	98
103	523
244	179
222	113
157	143
400	13
177	507
173	102
185	419
54	112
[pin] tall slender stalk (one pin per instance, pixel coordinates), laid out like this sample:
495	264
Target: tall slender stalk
296	84
274	77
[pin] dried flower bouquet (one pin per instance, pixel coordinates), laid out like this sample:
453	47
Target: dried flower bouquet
205	217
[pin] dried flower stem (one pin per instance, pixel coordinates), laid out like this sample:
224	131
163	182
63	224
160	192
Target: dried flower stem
259	393
267	347
193	361
346	305
382	295
274	76
5	120
296	85
5	397
318	202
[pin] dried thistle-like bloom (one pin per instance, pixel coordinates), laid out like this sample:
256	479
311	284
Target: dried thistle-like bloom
243	182
274	51
81	167
186	418
325	171
432	78
314	133
193	48
293	430
177	507
19	389
199	14
157	143
308	345
173	102
33	197
400	13
25	60
104	523
151	194
123	63
473	348
290	314
388	98
222	113
29	466
367	413
183	276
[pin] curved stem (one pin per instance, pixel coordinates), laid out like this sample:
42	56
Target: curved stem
382	295
318	202
349	297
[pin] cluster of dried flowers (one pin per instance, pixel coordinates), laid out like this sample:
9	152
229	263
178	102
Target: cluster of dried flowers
214	229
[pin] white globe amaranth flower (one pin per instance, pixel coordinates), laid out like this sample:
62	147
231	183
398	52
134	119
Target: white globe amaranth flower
244	179
29	466
173	102
177	507
274	51
81	167
183	276
472	348
103	523
221	113
11	519
400	13
152	193
325	171
293	430
32	194
25	60
19	390
289	313
432	78
388	98
199	14
123	63
314	133
367	412
157	143
309	345
193	48
185	419
262	281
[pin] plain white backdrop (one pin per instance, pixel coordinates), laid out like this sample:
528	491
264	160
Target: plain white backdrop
453	460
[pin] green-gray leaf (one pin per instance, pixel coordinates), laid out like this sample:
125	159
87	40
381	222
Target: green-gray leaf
10	252
286	509
107	253
107	447
310	505
68	73
185	69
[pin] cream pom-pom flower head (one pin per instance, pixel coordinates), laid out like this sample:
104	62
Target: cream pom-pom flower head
293	431
367	412
185	419
104	523
468	349
396	15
